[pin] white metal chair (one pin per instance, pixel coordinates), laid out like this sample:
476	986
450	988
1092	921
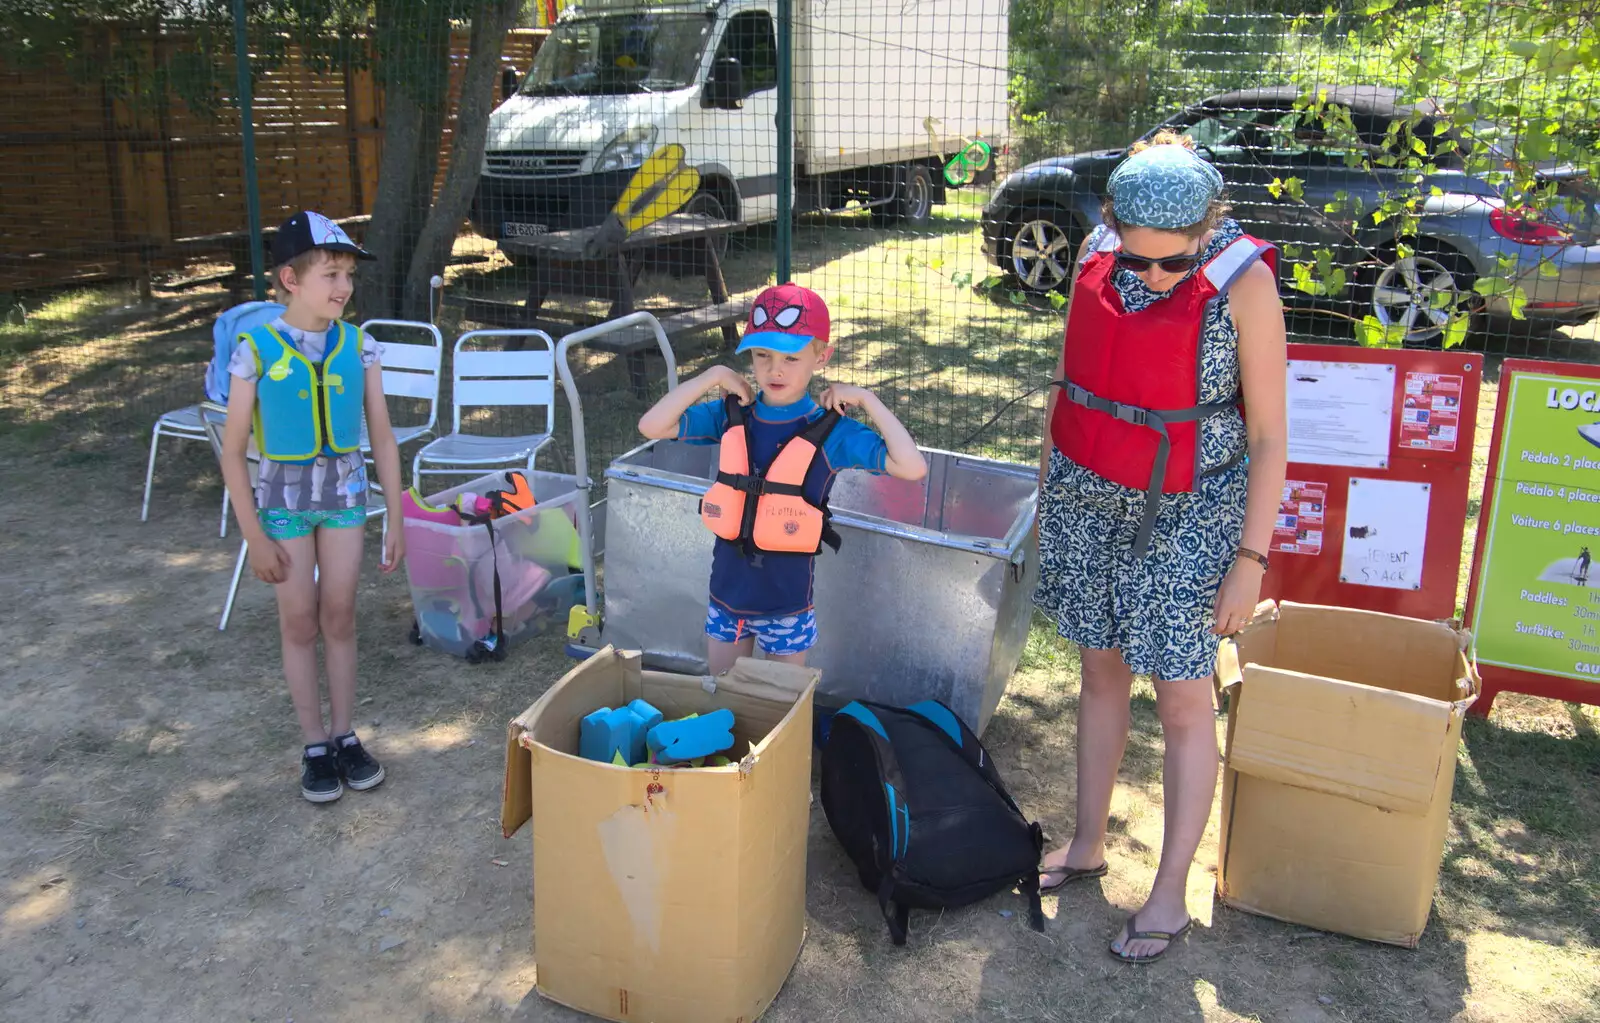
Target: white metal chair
489	379
185	423
212	418
182	423
409	371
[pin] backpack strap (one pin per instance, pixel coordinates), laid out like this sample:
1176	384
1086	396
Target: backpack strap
1029	885
896	914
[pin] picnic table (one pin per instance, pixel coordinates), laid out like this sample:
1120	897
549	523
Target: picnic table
564	262
236	244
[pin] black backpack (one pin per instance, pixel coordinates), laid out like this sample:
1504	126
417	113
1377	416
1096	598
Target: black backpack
916	802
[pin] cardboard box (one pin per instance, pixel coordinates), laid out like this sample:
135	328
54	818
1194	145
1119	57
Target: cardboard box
667	896
1341	756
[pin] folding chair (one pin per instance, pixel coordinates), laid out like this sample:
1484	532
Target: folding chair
185	423
409	371
213	418
492	379
182	423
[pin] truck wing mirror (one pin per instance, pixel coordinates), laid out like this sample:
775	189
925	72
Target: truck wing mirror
508	82
725	88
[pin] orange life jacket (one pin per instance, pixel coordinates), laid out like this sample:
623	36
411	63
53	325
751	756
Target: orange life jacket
768	511
508	502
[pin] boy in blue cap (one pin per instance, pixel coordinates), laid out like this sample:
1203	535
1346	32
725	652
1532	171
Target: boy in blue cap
761	587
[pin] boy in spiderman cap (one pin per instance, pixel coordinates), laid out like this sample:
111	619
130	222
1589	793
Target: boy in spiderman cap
780	453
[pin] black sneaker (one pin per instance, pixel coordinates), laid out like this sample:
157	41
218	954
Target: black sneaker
356	765
319	774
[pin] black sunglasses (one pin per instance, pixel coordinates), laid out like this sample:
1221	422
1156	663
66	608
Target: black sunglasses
1171	264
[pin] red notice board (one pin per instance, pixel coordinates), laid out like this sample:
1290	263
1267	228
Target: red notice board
1380	455
1534	606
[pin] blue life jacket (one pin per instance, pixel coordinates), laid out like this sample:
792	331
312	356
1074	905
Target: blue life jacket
306	409
225	338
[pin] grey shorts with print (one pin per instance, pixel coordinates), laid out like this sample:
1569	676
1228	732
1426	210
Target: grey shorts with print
327	484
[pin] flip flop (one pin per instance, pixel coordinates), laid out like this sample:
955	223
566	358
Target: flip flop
1131	932
1069	875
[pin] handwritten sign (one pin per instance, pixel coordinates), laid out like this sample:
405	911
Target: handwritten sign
1386	526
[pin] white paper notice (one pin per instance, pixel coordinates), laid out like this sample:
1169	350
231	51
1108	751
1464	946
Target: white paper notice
1340	413
1386	526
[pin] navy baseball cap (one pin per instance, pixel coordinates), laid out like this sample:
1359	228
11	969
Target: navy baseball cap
306	231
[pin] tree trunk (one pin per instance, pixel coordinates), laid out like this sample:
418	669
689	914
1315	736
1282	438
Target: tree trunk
414	66
380	281
437	236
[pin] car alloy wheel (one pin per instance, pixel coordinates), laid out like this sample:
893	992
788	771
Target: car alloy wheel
1041	254
1421	294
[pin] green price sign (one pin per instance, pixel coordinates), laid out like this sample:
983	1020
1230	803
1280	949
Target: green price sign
1538	589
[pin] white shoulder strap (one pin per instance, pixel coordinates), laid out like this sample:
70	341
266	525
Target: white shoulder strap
1231	263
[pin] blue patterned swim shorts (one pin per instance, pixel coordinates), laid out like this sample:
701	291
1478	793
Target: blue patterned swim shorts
789	634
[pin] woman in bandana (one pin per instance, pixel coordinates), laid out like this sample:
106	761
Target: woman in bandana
1160	480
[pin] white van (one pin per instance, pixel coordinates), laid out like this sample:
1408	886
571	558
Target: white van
886	92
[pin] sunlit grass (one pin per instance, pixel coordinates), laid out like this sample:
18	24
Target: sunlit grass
29	323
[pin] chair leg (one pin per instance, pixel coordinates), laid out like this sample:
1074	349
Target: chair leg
233	587
150	472
223	528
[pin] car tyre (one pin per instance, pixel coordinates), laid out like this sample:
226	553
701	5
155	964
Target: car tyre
1041	247
912	204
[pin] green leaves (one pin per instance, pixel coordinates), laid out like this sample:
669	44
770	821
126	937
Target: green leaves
1292	187
1516	298
1321	278
1372	333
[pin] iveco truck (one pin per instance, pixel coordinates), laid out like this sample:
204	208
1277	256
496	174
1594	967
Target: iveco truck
886	93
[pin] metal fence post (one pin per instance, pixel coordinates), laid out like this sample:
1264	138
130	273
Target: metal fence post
247	129
785	238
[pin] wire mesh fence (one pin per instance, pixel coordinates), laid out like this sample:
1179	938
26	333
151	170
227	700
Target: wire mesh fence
929	169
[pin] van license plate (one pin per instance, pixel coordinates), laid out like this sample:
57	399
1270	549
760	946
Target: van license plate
513	229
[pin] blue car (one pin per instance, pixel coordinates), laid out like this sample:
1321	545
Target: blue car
1038	216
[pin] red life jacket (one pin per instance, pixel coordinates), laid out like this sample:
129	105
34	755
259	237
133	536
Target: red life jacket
1130	409
768	511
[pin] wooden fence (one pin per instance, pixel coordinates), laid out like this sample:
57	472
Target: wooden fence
93	187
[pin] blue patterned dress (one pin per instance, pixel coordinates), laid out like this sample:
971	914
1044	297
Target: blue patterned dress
1157	611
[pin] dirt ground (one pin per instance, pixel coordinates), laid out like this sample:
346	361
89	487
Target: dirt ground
158	863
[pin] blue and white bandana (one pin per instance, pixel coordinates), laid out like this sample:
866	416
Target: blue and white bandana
1166	187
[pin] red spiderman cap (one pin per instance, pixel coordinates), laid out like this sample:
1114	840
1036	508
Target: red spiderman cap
785	318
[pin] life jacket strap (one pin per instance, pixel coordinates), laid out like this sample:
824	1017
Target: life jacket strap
1157	420
739	481
830	536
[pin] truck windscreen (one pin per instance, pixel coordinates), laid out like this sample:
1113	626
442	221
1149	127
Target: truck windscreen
617	54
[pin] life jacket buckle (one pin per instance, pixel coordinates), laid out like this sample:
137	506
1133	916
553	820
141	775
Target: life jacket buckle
1131	413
